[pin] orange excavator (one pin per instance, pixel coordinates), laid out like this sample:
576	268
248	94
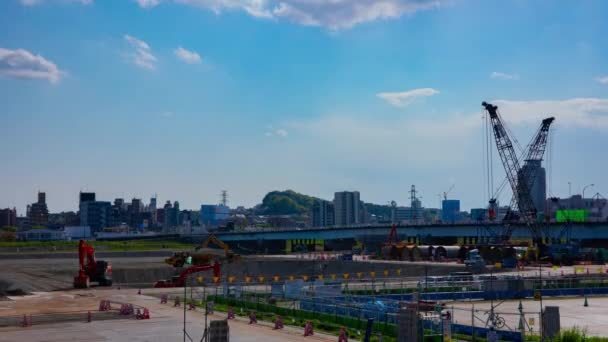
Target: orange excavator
91	270
398	250
180	280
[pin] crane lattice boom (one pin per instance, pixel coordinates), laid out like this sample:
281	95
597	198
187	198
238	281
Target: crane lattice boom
520	179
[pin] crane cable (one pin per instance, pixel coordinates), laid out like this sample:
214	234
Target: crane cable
486	155
521	158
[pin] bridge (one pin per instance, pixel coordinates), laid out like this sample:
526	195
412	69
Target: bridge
589	233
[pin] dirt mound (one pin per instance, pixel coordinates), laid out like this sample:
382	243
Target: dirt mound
9	289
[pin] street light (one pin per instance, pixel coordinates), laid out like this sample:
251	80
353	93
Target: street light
540	278
585	187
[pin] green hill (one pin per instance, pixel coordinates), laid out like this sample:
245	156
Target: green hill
289	202
286	202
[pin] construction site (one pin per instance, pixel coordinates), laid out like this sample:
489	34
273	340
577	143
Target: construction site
493	287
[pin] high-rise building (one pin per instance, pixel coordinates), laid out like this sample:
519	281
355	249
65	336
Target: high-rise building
450	211
8	217
346	208
38	212
119	203
96	214
120	214
152	205
86	197
322	214
160	216
152	210
171	214
213	215
400	214
135	213
364	216
538	189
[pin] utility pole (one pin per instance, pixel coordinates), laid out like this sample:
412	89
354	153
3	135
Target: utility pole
184	305
224	198
413	204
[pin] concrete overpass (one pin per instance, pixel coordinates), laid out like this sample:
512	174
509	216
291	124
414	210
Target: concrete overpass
592	234
577	231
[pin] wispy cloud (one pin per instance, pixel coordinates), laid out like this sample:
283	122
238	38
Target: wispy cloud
38	2
331	14
187	56
23	64
142	54
602	79
503	76
167	114
282	133
370	140
405	98
570	113
148	3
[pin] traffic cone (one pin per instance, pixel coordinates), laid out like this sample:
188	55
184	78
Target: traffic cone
586	303
24	322
342	337
308	331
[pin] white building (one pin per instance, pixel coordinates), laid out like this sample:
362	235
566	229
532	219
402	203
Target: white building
40	235
77	232
596	207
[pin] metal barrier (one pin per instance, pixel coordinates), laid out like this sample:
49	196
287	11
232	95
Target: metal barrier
108	310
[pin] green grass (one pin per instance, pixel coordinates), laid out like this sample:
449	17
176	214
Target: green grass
127	245
327	323
576	334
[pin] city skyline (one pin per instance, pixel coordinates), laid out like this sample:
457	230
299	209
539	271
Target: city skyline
251	97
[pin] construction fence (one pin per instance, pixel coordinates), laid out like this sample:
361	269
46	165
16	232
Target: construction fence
108	311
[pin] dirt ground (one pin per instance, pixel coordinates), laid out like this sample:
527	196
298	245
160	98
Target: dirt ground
30	274
166	323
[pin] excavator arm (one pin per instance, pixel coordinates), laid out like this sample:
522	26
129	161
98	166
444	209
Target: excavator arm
91	269
217	241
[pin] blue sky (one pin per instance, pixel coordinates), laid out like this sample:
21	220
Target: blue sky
184	98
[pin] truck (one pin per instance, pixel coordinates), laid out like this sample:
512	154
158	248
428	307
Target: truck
474	261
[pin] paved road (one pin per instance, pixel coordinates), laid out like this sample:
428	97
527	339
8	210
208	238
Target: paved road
593	318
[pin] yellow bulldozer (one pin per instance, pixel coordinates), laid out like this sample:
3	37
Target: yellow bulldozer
204	255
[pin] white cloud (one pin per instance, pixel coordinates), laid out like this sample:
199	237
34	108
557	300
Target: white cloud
373	140
148	3
38	2
191	57
167	114
282	133
332	14
602	79
576	112
23	64
503	76
396	142
405	98
142	55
